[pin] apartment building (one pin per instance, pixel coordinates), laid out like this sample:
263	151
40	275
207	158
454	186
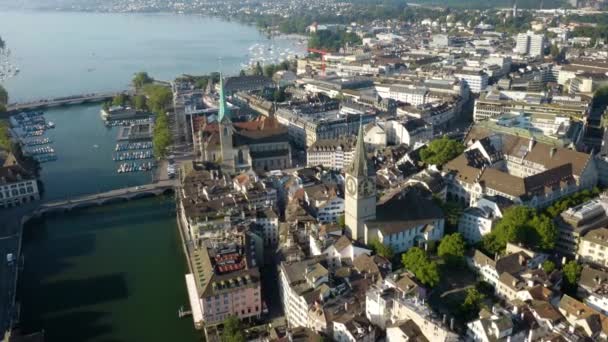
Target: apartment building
500	102
593	247
477	81
530	44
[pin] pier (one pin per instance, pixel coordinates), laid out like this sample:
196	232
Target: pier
63	101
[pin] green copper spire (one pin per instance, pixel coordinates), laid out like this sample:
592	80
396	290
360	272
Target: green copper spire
359	165
224	112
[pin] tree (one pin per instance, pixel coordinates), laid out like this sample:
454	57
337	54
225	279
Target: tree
426	271
452	249
548	266
524	225
119	100
554	51
572	272
546	230
440	151
342	221
159	97
472	301
233	332
5	138
381	249
413	258
428	274
141	79
139	102
3	96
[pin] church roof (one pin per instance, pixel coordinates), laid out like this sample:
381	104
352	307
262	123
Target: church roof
360	165
406	210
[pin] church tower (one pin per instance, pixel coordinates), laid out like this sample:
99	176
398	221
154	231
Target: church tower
226	132
360	191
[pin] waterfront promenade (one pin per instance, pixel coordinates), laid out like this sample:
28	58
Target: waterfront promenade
63	101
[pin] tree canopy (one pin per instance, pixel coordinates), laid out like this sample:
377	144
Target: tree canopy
425	270
440	151
600	97
5	139
572	272
141	79
548	266
472	303
233	332
332	41
159	98
451	249
381	249
521	224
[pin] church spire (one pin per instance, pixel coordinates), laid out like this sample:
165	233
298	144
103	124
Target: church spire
359	165
224	112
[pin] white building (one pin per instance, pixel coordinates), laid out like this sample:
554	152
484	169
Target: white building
479	220
593	247
477	81
17	186
530	43
296	280
330	153
353	329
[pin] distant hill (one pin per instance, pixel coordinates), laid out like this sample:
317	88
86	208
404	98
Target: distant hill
479	4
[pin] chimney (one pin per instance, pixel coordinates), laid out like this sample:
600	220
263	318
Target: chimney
445	319
531	144
452	323
346	306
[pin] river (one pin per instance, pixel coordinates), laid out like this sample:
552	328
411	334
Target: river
113	273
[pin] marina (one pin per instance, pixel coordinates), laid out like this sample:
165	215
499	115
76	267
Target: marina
135	167
30	127
141	145
134	155
37	141
126	123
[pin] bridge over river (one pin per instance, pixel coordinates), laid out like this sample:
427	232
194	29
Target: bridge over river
63	101
124	194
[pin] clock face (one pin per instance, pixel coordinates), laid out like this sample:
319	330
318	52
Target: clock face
351	186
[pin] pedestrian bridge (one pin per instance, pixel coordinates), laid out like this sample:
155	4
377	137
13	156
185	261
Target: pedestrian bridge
118	195
63	101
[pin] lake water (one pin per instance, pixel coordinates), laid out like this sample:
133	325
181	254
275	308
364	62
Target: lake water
63	54
113	273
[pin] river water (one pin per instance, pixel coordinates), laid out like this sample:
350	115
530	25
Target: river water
113	273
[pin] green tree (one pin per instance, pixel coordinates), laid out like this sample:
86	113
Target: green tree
426	271
119	100
428	274
472	301
3	96
440	151
233	331
269	70
546	230
5	138
139	102
159	97
141	79
452	249
572	272
413	258
554	51
342	221
548	266
381	249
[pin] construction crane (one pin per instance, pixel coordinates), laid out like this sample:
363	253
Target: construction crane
322	53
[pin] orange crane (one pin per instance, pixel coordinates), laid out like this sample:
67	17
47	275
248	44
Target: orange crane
322	53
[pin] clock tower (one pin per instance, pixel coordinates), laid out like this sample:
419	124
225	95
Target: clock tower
360	191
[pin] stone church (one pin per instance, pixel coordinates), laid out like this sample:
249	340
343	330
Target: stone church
261	144
407	219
